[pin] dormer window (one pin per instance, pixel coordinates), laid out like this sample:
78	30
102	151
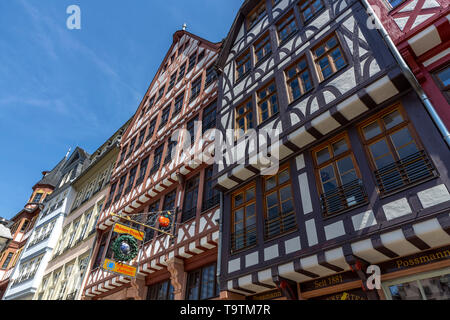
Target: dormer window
256	14
37	197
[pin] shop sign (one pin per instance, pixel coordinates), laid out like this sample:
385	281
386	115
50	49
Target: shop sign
329	281
275	294
119	268
120	228
357	294
416	260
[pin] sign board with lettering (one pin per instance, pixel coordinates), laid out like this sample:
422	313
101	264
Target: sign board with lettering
329	281
357	294
419	259
270	295
119	268
120	228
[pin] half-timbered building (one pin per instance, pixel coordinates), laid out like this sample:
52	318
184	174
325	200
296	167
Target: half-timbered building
157	170
329	161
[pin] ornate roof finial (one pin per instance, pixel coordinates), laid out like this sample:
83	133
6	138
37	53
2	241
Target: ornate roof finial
184	26
68	152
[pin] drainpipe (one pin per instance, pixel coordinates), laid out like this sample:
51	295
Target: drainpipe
409	75
219	247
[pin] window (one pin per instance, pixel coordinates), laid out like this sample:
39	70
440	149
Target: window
142	171
87	219
190	199
157	159
209	117
131	149
7	260
37	197
256	14
141	138
286	27
278	204
164	117
192	60
395	3
121	185
244	118
243	224
25	225
267	102
111	194
181	73
443	80
202	284
122	155
329	58
101	249
178	104
243	65
150	104
211	196
395	153
173	77
169	201
153	208
309	8
171	147
196	88
131	179
161	291
73	232
340	185
191	129
298	79
161	93
151	129
262	48
211	75
201	55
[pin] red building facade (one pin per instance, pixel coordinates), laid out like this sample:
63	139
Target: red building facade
421	31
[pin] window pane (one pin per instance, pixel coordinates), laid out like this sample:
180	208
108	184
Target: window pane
345	165
283	176
273	213
406	291
437	288
401	137
349	177
239	215
340	147
327	173
444	76
285	193
287	207
272	199
372	130
392	119
249	194
238	199
323	155
250	210
271	183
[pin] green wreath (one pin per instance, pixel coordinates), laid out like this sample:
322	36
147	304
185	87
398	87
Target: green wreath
125	248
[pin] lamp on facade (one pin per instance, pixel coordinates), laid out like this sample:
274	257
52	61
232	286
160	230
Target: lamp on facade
5	234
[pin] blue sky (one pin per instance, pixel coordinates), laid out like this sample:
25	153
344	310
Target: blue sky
62	88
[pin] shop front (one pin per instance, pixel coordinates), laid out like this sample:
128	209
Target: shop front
423	276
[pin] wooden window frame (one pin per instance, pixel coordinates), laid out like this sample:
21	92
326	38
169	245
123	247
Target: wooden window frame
445	90
286	22
244	115
178	104
267	99
297	76
208	201
181	72
333	161
151	128
197	85
234	208
165	117
277	189
384	135
244	60
327	54
153	291
188	214
310	6
250	23
200	271
261	45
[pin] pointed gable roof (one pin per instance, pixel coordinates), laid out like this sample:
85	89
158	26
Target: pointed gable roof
177	37
52	178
